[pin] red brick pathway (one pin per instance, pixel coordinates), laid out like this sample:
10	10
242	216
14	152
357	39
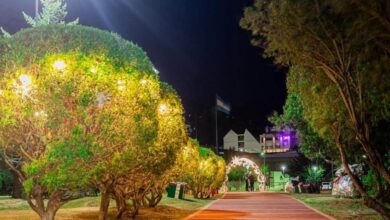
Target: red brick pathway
257	206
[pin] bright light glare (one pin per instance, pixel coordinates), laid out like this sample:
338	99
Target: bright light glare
143	82
315	168
40	114
283	167
121	85
25	80
163	108
93	69
25	87
59	65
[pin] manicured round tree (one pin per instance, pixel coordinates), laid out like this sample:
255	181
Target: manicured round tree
81	107
209	173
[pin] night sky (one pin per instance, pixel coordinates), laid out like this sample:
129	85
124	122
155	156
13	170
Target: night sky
198	47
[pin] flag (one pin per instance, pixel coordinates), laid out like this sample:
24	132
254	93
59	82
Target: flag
222	106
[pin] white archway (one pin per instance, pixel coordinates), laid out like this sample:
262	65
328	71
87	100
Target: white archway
241	161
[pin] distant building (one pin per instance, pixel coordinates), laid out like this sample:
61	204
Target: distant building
244	142
278	140
279	144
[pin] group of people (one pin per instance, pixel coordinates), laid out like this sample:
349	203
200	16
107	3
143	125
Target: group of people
249	182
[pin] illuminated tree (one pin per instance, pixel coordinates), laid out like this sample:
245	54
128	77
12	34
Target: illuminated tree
144	146
209	174
326	43
185	163
63	102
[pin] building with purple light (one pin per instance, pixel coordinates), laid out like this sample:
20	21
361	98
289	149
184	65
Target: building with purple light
278	140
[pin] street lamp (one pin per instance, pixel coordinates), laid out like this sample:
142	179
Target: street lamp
283	169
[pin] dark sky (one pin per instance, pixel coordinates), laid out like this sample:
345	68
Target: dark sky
198	47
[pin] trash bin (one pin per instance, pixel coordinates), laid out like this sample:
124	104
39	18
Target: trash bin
182	190
171	190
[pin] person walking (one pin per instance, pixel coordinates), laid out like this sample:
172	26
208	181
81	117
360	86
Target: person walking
252	182
246	182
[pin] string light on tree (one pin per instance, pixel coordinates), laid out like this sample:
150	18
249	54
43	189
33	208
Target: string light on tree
93	70
121	85
163	109
59	65
40	114
24	87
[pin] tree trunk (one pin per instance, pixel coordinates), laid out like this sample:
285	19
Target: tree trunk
368	201
17	187
49	215
104	204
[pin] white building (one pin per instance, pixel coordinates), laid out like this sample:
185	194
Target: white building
245	142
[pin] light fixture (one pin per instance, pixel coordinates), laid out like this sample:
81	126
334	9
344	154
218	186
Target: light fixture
24	87
315	168
59	65
93	69
163	108
25	80
121	85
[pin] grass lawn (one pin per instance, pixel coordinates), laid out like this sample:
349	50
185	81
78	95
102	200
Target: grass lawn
87	209
339	208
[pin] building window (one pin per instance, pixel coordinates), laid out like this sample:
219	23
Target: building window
241	144
241	137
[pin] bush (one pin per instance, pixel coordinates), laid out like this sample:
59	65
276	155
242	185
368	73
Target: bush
208	175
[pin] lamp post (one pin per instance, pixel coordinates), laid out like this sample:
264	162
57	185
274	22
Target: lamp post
283	169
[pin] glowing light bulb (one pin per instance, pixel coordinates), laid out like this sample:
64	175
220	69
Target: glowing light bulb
163	108
25	80
40	114
24	87
93	69
59	65
121	85
143	82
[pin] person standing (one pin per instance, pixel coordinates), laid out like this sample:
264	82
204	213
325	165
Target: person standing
252	182
246	182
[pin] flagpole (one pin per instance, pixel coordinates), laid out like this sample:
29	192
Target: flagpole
36	8
216	130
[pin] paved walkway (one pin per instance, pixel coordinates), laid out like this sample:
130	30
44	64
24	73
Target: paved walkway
257	206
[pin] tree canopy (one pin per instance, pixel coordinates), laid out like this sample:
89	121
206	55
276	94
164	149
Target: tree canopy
339	62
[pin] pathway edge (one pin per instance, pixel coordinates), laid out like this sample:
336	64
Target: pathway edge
203	208
316	210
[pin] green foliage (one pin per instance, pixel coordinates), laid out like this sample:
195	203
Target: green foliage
311	144
340	74
209	173
314	174
85	110
53	12
205	152
264	168
30	45
5	178
237	173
